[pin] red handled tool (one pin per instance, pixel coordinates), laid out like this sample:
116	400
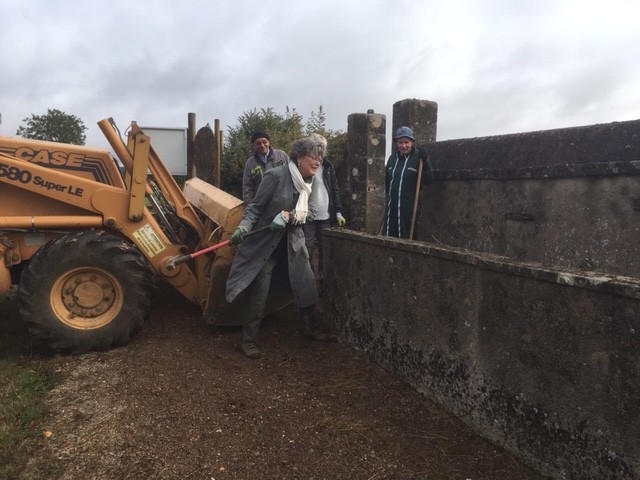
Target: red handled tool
175	261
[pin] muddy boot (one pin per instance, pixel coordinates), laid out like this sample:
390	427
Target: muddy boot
309	328
249	349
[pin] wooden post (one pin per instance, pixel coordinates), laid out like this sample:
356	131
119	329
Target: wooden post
191	135
415	200
218	152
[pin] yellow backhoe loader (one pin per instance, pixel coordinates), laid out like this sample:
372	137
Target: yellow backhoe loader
85	239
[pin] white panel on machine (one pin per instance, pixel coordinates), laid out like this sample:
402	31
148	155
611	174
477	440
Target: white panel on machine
171	146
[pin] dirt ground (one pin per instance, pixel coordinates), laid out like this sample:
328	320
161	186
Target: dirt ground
180	402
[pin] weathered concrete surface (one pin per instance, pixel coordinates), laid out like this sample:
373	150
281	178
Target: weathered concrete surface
204	147
420	115
593	144
365	170
541	361
567	197
588	223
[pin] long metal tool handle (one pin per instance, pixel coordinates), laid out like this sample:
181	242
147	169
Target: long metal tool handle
175	261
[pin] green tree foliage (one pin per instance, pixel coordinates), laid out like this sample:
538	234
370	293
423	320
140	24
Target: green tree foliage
317	123
282	130
54	126
337	147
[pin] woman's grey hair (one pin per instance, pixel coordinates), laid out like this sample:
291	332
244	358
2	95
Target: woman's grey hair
314	145
320	139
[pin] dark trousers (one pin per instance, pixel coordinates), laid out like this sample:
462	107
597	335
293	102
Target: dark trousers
312	235
256	299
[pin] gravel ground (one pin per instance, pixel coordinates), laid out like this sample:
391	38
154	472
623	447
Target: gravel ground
180	402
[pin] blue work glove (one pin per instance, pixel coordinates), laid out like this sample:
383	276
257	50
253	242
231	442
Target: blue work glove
278	223
238	236
340	220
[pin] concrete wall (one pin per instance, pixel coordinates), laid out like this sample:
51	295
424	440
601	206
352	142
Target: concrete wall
420	115
499	315
567	197
541	361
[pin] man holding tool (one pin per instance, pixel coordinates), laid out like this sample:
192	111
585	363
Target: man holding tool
407	169
282	202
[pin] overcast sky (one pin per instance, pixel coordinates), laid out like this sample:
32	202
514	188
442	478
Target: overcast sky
493	67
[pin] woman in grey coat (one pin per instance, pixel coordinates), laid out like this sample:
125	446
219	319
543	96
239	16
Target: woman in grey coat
282	203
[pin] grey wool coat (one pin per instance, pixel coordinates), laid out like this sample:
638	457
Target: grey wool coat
275	193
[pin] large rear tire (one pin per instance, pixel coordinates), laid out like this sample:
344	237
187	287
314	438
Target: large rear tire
86	291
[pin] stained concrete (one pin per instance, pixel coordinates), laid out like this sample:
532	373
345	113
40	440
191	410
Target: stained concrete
520	311
567	197
540	360
364	166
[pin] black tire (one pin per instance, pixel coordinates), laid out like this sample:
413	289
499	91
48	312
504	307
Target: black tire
86	291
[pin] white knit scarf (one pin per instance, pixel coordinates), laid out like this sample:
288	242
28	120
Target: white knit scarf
304	189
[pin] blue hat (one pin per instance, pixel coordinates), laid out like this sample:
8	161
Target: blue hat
404	132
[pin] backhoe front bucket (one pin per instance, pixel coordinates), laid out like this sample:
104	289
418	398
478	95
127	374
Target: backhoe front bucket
225	212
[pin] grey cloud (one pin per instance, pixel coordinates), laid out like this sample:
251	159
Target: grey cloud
493	67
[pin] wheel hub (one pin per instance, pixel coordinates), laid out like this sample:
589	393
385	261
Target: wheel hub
88	294
86	298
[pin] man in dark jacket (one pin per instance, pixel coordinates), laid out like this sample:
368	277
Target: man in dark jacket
264	158
401	179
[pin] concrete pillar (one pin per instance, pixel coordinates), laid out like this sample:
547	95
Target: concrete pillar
366	144
204	147
420	115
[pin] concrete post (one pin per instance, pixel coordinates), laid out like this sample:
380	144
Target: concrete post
421	115
204	147
366	144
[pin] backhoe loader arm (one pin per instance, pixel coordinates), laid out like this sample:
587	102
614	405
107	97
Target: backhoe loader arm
162	176
106	206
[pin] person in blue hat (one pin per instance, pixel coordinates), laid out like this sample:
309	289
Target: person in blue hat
401	178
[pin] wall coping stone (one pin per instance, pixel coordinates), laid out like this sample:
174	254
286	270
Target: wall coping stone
597	281
564	170
546	152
